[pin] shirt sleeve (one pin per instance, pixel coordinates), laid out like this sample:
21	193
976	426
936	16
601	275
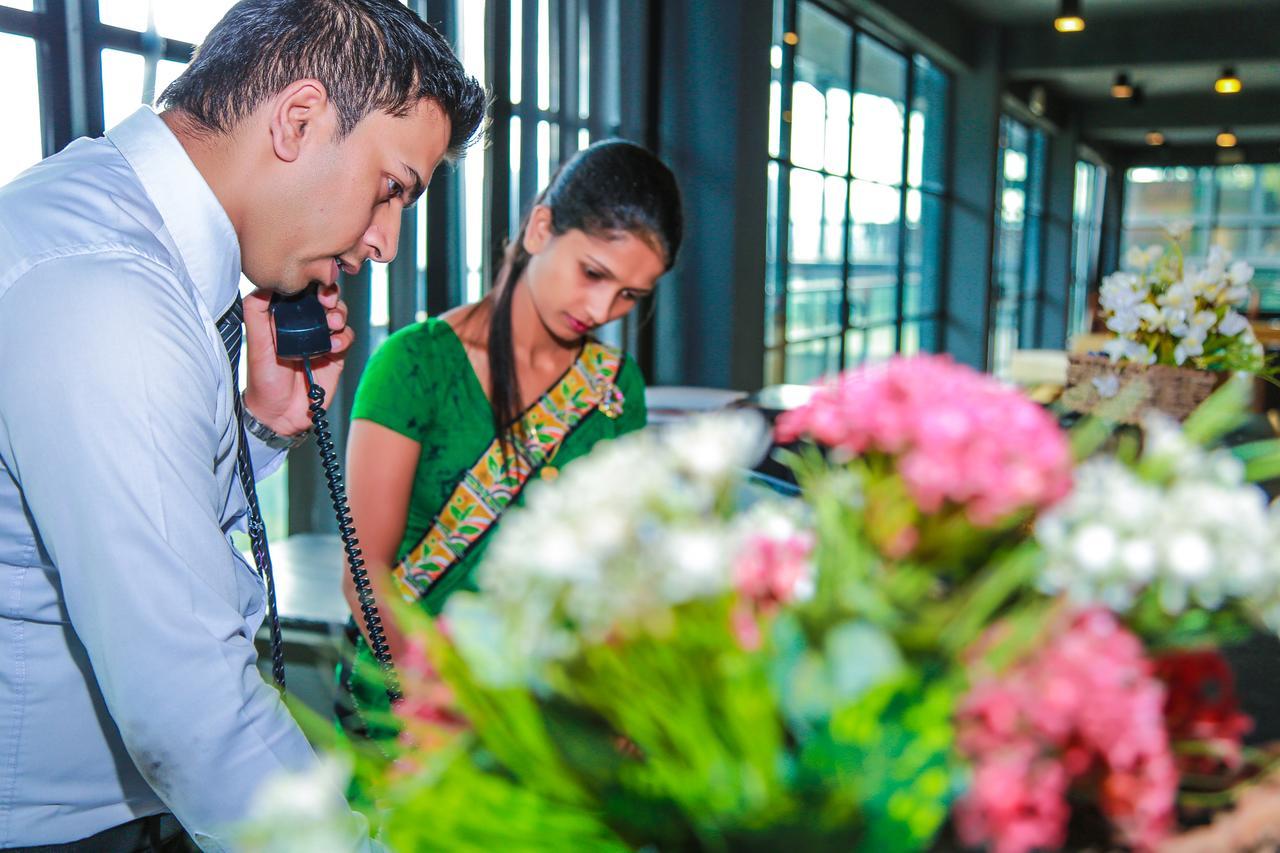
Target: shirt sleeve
395	389
109	394
635	411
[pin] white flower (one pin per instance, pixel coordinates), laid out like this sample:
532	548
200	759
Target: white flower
1190	556
712	447
303	812
1178	230
1138	556
1216	265
1202	321
1233	295
1139	259
1178	296
1202	537
1094	547
1151	315
1108	385
642	524
1124	322
1129	350
1232	324
1190	347
1241	273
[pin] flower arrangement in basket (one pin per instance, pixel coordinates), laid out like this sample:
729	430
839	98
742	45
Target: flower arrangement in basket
957	634
1177	332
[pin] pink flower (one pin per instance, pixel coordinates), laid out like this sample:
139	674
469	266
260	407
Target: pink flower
770	569
1086	710
773	567
956	436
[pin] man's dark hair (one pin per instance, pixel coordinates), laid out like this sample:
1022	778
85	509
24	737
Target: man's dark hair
369	54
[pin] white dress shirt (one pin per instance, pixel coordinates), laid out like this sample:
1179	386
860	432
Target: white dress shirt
128	683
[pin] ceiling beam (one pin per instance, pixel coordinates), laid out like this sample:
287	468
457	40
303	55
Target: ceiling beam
1032	50
939	27
1251	107
1126	157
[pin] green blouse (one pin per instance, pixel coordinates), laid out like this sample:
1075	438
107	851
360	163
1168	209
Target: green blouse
420	383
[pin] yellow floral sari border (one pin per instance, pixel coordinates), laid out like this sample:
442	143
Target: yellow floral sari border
489	487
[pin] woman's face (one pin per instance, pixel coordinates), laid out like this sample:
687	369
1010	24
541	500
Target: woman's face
579	281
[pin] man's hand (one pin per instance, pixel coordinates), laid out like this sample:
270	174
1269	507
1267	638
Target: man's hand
276	392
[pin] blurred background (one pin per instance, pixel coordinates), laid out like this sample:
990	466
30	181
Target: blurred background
861	178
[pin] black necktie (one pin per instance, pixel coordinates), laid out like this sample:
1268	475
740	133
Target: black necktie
231	327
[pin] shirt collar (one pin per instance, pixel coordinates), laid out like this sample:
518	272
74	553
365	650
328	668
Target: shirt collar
195	219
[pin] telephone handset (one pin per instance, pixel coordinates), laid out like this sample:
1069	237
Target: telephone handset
302	332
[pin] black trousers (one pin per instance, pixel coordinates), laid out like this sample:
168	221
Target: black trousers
160	833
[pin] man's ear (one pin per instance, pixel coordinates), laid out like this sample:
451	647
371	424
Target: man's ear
539	232
300	114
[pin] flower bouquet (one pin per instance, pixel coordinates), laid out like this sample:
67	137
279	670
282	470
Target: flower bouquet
1177	329
957	636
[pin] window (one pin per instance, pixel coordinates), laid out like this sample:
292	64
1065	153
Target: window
20	144
856	178
1235	207
1086	236
1018	238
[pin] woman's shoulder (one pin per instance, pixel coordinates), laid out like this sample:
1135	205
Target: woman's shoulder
432	338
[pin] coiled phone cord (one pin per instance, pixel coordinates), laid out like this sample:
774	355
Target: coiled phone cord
351	545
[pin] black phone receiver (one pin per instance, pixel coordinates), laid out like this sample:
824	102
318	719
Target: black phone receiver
302	329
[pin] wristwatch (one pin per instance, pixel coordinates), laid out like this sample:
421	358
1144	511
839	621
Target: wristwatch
270	437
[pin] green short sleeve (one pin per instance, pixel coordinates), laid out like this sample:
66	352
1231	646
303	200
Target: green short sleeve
397	388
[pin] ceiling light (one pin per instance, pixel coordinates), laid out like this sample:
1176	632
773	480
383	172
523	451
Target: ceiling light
1122	88
1155	137
1227	83
791	39
1226	139
1069	19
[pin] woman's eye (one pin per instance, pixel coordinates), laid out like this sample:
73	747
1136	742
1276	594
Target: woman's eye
394	189
593	274
630	295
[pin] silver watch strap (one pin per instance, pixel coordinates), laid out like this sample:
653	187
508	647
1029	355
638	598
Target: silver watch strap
270	437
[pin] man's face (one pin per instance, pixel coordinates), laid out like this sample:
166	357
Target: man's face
338	204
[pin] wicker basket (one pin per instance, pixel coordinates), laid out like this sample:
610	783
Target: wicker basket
1094	381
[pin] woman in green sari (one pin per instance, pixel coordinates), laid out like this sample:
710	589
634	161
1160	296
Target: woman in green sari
455	414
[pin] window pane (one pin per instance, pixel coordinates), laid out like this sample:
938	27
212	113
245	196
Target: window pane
820	97
182	20
873	235
517	50
26	5
919	336
20	145
773	286
816	257
1235	189
1269	177
471	18
122	75
812	360
879	107
881	343
923	260
126	83
927	146
1167	194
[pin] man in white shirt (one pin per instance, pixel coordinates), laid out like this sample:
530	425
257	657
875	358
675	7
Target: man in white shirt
288	148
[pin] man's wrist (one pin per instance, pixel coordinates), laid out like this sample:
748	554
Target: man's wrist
269	436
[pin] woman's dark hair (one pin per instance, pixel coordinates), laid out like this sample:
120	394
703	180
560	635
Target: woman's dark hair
612	186
370	55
